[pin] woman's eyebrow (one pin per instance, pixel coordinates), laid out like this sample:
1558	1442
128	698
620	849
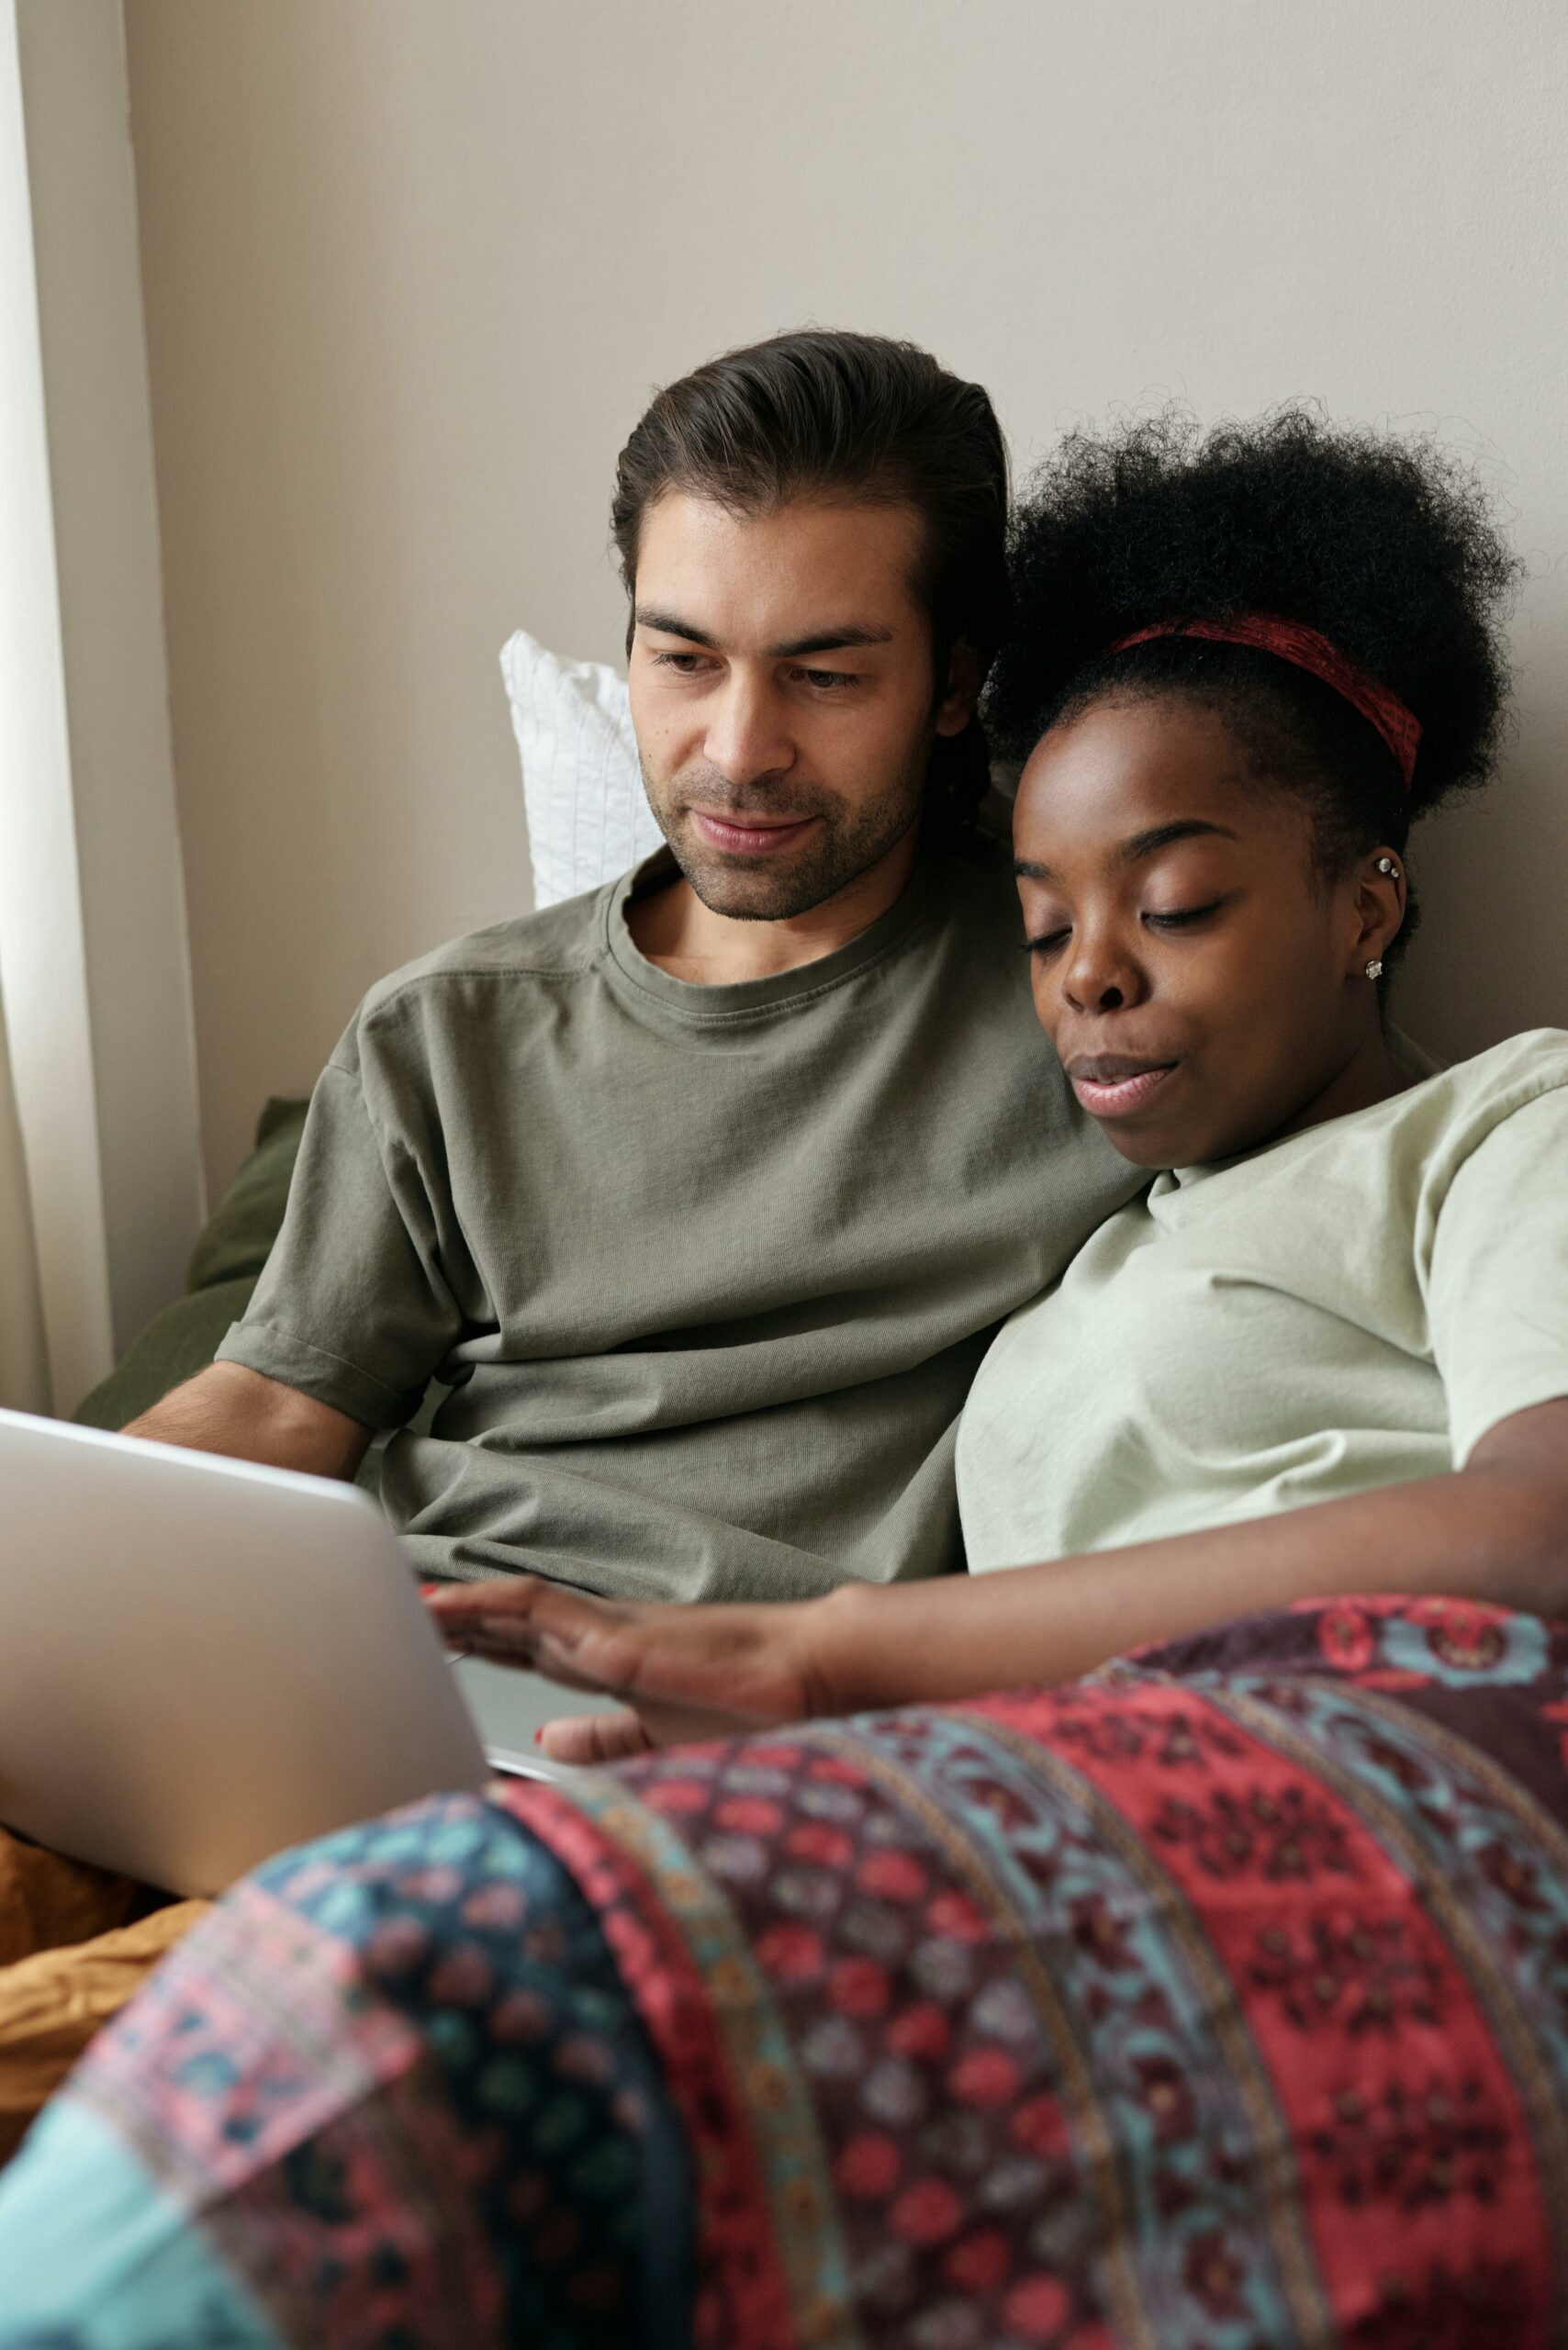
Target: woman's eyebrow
1141	845
1137	846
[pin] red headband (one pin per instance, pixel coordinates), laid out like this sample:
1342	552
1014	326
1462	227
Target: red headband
1399	726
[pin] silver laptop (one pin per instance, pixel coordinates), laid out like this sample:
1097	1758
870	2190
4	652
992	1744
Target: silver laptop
201	1661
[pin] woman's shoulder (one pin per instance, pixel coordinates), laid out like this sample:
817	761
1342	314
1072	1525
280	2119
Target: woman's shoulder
1409	1148
1504	1078
1445	1121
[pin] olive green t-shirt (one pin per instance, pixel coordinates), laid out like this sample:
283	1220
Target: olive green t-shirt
708	1270
1353	1306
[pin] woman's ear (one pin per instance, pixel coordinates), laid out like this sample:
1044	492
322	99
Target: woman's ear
960	695
1381	892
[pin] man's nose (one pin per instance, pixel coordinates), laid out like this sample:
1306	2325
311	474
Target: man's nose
746	737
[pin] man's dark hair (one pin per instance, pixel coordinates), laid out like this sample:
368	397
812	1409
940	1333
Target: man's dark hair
857	416
1388	547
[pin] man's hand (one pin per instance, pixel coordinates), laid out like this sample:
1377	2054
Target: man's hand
685	1673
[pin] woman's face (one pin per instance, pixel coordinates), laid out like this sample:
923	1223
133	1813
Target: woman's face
1200	979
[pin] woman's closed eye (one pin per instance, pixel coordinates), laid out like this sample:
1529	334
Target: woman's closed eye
1051	942
1182	917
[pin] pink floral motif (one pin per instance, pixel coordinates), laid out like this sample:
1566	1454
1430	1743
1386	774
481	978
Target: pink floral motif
1345	1636
987	2076
979	2261
1462	1642
1037	2308
926	2213
870	2167
1464	1633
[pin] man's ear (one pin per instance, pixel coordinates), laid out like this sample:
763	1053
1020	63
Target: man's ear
966	675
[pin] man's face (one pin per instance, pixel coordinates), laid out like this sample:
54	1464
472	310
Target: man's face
782	696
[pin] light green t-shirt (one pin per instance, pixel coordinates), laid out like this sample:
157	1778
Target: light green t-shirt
1352	1308
708	1270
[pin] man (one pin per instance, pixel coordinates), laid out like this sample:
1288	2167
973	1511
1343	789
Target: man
703	1196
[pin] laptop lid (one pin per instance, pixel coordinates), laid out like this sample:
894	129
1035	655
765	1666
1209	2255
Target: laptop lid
203	1661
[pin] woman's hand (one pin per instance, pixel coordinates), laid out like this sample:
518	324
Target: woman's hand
1496	1530
685	1672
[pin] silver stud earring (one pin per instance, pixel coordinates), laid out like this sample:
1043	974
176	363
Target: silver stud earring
1386	865
1374	968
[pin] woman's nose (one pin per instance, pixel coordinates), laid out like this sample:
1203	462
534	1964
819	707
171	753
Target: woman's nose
1098	979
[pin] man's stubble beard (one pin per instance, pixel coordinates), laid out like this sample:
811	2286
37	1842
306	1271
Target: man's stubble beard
777	887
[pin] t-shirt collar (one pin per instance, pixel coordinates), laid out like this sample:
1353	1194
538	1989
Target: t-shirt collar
703	1004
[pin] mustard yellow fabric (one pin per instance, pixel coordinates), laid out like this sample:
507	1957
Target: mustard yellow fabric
75	1943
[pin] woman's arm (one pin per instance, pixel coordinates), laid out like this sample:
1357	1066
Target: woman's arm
1495	1530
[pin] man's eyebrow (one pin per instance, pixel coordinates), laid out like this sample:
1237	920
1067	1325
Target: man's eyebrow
830	640
1137	845
824	640
671	624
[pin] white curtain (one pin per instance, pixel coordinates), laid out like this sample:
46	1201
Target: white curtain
24	1368
53	1262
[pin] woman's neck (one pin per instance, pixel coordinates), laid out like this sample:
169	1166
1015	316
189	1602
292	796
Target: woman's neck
1369	1076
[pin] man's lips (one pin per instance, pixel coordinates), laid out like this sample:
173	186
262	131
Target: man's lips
1110	1084
749	836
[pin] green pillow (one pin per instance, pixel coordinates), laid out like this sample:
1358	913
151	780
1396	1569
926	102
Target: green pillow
227	1261
246	1221
175	1346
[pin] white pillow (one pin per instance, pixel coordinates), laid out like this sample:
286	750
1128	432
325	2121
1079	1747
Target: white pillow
589	819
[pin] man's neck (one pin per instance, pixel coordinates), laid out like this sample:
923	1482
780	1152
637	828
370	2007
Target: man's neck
674	929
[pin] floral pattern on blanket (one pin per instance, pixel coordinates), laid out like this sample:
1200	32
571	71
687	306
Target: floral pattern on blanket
1217	2002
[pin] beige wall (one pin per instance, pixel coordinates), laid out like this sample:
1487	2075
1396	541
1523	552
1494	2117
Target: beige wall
411	266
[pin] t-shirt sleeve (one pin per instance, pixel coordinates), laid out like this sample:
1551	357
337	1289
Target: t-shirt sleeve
351	1307
1497	1295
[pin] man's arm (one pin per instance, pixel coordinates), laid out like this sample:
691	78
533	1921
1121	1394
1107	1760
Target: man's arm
227	1408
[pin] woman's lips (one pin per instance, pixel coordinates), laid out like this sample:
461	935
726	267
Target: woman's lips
1112	1095
749	840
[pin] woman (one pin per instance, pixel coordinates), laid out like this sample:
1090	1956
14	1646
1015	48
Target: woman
1327	1350
1218	2001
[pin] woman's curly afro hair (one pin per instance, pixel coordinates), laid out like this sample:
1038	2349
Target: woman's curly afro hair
1386	546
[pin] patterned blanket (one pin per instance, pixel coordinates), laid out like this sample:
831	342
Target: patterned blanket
1217	2003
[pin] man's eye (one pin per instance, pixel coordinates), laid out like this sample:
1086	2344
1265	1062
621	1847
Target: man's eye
1179	917
827	680
685	664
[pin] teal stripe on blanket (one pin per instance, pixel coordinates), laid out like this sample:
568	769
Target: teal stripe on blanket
66	2258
